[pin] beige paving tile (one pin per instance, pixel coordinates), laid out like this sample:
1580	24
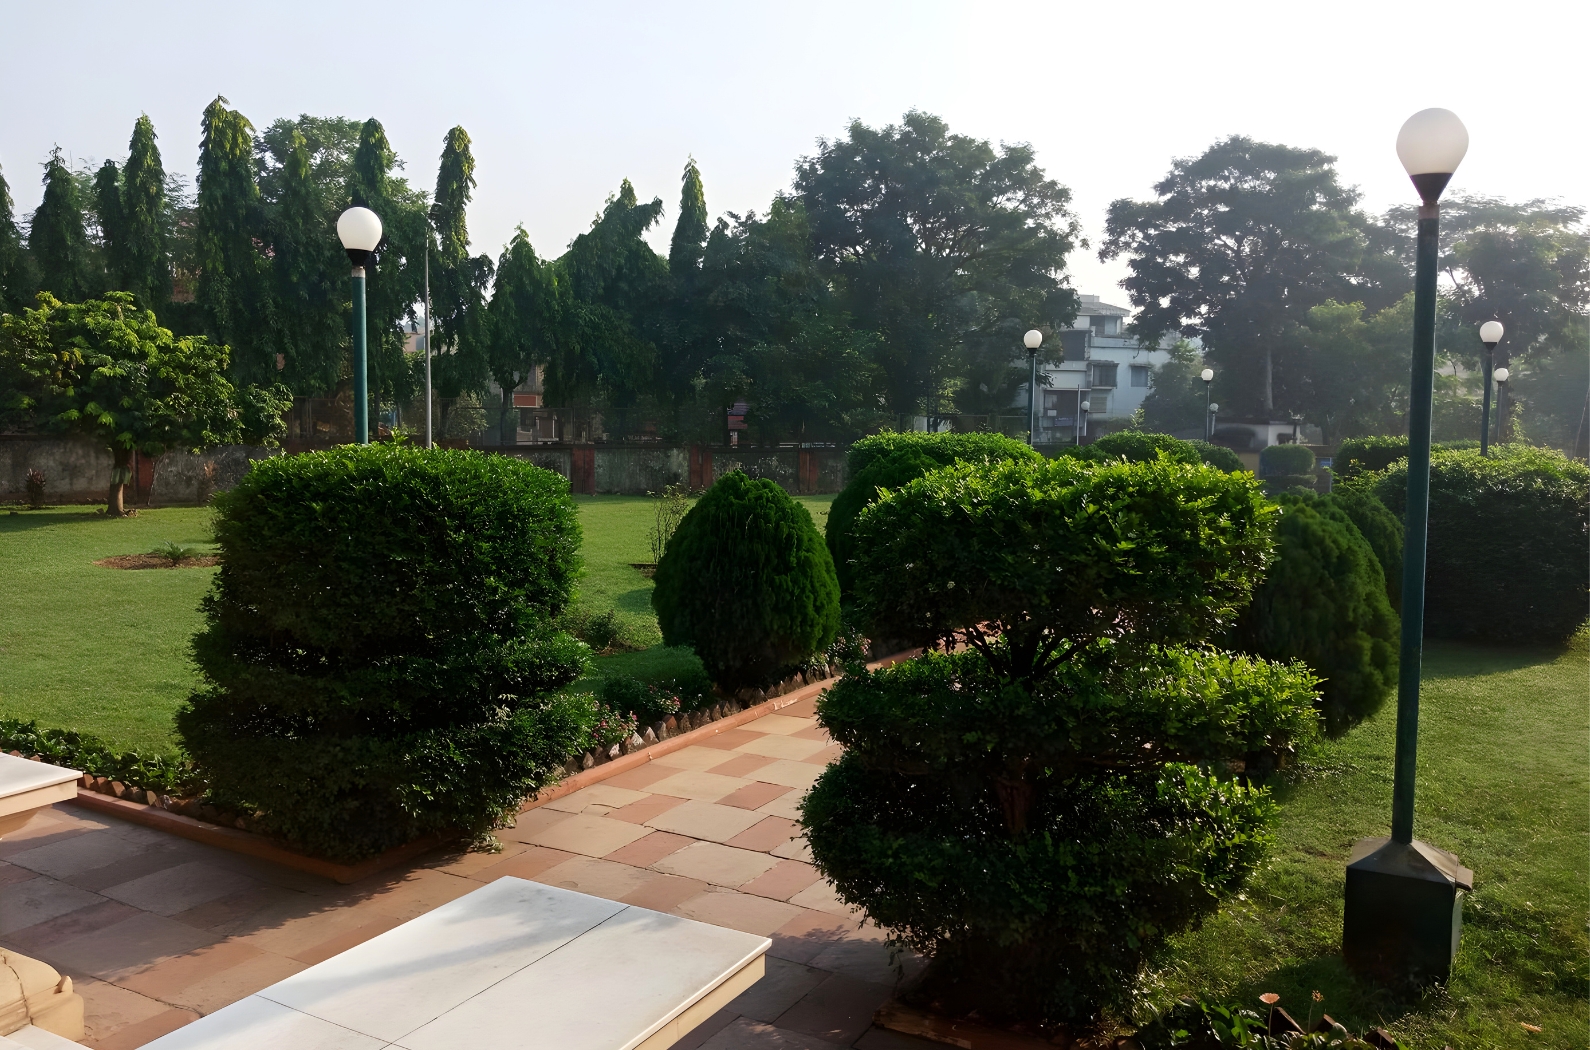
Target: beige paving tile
796	848
418	891
743	1033
146	1031
798	775
29	903
180	888
664	892
42	830
781	724
804	937
788	747
108	1008
782	881
820	896
164	979
645	852
38	939
531	823
704	787
787	806
768	834
468	862
864	955
648	807
224	987
719	865
78	853
526	865
694	757
587	835
596	795
706	820
129	946
600	878
738	911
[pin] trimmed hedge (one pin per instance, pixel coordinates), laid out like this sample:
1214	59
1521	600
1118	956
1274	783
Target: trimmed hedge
1323	601
747	583
887	461
1136	446
380	647
1507	540
1366	455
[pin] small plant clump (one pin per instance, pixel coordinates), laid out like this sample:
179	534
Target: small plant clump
176	553
35	484
672	506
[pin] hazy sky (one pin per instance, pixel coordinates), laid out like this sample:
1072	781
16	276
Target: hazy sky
565	100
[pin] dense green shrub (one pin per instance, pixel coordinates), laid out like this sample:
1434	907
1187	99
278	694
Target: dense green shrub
1507	542
747	583
1136	446
647	701
1323	601
1380	528
1365	455
1040	810
887	461
1218	456
1286	467
90	754
380	644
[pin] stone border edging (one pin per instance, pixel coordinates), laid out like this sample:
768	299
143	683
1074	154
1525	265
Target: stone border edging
258	846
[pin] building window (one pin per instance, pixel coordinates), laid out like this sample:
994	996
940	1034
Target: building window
1104	373
1139	375
1100	402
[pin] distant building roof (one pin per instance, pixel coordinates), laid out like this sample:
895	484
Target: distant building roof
1093	306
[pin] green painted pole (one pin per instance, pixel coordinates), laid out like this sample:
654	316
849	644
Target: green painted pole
1032	400
361	364
1485	423
1416	523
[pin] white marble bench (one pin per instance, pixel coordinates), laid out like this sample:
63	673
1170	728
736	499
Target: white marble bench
514	965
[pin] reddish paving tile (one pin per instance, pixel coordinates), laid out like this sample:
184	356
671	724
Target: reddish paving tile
166	978
740	766
782	882
838	1010
234	907
343	941
40	936
128	868
643	853
754	795
768	834
526	865
825	756
641	777
138	1033
693	1039
730	739
532	822
10	873
642	811
806	708
664	893
808	934
814	733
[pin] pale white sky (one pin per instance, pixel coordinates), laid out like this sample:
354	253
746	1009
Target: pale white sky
563	100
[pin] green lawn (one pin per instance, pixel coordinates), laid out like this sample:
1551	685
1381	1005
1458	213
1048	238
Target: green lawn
106	650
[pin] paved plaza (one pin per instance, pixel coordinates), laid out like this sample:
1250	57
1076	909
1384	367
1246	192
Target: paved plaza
156	930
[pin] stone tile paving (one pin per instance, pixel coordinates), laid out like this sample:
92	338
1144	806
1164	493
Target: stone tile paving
156	931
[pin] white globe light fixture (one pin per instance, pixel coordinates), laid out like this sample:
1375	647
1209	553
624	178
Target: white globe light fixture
1491	333
1431	145
1207	375
359	229
1214	406
1501	375
1033	339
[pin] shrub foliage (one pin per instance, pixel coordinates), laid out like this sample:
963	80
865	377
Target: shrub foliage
1507	539
1039	810
887	461
1366	455
379	644
747	583
1136	446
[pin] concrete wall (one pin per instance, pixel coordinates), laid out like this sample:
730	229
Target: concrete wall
635	470
179	477
74	471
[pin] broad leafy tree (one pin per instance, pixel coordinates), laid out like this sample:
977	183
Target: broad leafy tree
1235	249
945	247
106	370
58	237
234	282
527	318
145	259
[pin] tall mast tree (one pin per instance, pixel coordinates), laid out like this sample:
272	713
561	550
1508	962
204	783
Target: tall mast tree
112	224
527	319
233	291
690	230
15	278
57	238
306	271
458	282
394	285
145	254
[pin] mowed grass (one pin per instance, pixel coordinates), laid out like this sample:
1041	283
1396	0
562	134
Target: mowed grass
1504	782
106	650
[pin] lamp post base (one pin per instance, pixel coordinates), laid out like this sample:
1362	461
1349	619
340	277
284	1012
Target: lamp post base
1404	910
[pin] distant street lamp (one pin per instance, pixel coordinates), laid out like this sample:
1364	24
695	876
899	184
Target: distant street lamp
1033	339
1501	376
1404	899
1208	376
359	229
1082	419
1490	335
1209	423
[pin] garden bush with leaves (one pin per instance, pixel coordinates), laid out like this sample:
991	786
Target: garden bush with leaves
887	461
90	754
1507	539
747	583
1136	446
1286	467
1376	452
1040	809
1380	528
1323	602
380	646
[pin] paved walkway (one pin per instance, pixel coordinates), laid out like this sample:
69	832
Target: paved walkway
156	930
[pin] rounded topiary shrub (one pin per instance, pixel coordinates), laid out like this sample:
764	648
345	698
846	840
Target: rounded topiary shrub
747	583
1366	455
1380	528
1323	601
1042	807
1136	446
1218	456
1507	539
379	646
1286	467
887	461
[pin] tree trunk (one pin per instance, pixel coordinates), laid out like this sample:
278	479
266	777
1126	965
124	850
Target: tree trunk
507	425
1269	383
120	474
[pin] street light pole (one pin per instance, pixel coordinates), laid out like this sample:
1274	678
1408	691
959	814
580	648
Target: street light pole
360	232
1501	375
1033	340
1208	376
428	439
1490	335
1209	423
1403	907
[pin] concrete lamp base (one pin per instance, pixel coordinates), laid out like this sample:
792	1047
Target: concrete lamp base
1404	910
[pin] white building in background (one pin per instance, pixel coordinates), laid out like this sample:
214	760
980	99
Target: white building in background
1104	368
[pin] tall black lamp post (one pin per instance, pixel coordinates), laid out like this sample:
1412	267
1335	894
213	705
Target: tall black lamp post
1404	899
1209	424
1490	335
359	229
1033	340
1208	376
1501	376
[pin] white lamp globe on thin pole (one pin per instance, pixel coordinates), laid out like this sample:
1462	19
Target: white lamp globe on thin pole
1431	145
1208	376
1501	375
359	229
1490	335
1032	340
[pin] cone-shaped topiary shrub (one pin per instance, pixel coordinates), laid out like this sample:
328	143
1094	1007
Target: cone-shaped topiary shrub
747	583
887	461
1040	810
1380	528
378	644
1508	533
1323	601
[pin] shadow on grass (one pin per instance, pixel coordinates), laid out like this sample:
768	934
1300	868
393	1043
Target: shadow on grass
1448	659
23	520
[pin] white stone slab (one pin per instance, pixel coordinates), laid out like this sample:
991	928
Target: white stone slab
394	983
259	1024
32	1037
29	785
